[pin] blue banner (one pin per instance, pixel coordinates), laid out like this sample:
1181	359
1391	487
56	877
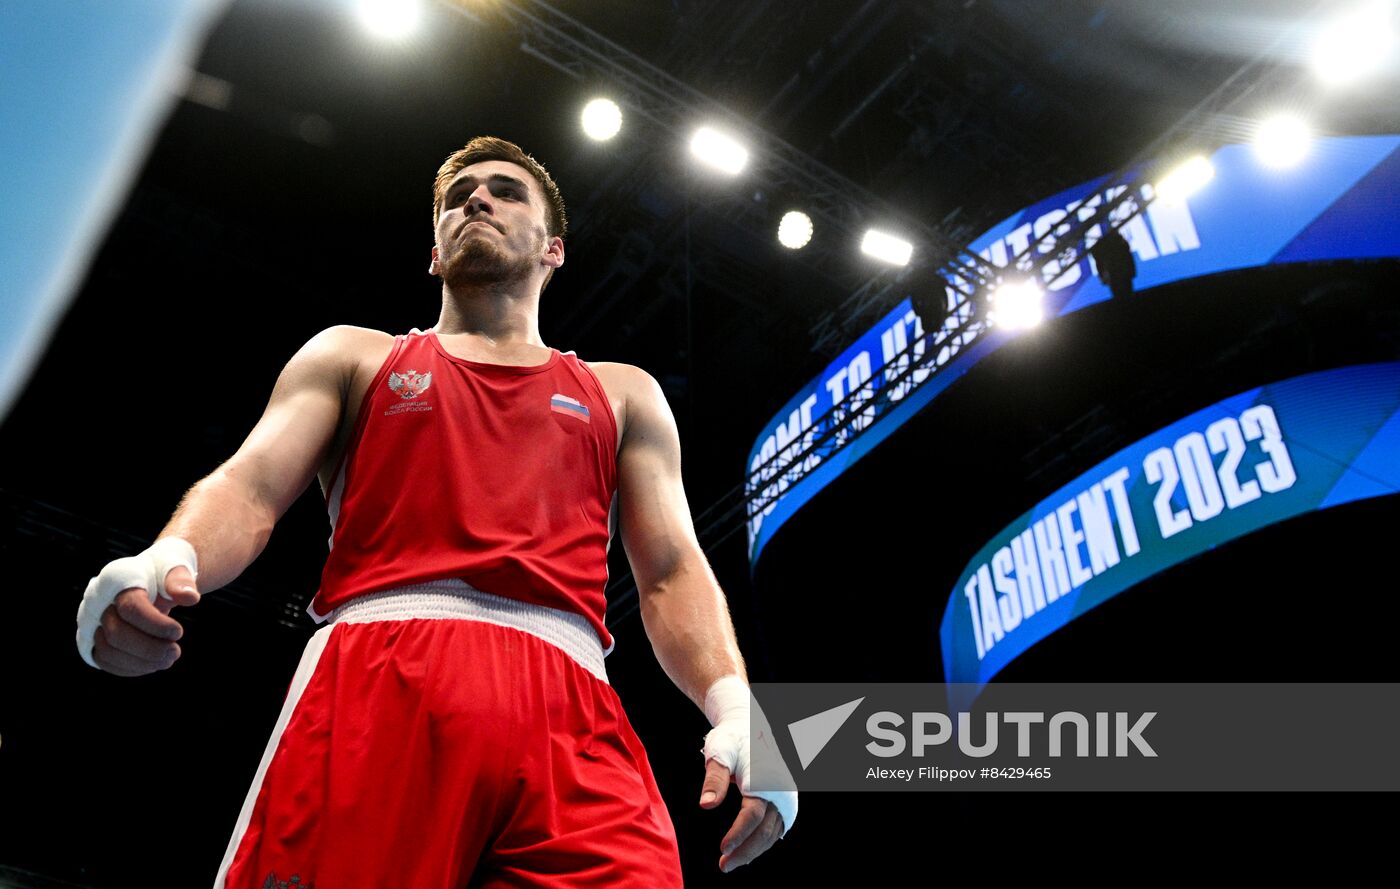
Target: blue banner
1261	457
1338	203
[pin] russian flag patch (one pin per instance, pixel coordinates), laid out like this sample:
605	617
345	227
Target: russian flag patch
563	404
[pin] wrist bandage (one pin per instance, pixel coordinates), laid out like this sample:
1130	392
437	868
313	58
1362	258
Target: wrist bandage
146	570
727	706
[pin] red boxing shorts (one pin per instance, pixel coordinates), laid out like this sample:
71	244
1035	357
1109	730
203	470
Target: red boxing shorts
438	736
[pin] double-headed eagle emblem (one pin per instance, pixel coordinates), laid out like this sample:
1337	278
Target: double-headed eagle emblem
411	384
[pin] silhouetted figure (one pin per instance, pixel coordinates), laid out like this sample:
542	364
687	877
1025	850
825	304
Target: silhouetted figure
929	299
1114	259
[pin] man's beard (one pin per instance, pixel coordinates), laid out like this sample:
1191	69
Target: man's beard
479	261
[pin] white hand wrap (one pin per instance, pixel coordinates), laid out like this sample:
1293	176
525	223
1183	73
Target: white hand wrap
727	707
146	571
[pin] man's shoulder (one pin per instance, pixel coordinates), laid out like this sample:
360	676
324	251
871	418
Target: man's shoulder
345	343
645	405
624	378
349	335
342	352
619	370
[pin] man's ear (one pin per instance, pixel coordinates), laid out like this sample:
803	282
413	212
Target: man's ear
553	252
433	265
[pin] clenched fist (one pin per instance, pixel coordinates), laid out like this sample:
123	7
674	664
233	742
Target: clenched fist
124	622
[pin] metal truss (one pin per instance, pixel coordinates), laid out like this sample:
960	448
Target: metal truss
1215	120
888	386
846	208
1127	195
834	329
672	106
965	320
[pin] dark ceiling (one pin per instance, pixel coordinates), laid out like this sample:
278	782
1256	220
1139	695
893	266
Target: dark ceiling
290	190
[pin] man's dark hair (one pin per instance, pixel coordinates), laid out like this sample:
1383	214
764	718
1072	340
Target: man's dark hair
490	148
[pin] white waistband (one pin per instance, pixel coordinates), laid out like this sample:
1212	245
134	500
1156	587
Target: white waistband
453	599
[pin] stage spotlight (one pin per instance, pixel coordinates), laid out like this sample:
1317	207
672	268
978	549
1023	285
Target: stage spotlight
1282	142
601	119
391	19
1355	45
1187	179
1017	305
718	151
795	230
886	248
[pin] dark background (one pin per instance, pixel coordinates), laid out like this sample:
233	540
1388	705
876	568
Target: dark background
305	202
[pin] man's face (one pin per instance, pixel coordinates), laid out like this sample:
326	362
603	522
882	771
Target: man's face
492	227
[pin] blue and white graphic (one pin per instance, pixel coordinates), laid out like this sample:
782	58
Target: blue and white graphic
1263	456
1339	203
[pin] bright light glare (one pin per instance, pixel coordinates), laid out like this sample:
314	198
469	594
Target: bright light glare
1186	180
886	248
1282	142
795	230
715	149
1017	305
1354	45
391	19
601	119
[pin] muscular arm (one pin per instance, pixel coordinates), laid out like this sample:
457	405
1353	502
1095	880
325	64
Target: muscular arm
228	516
683	609
124	627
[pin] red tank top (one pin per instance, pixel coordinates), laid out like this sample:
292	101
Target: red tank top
501	476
